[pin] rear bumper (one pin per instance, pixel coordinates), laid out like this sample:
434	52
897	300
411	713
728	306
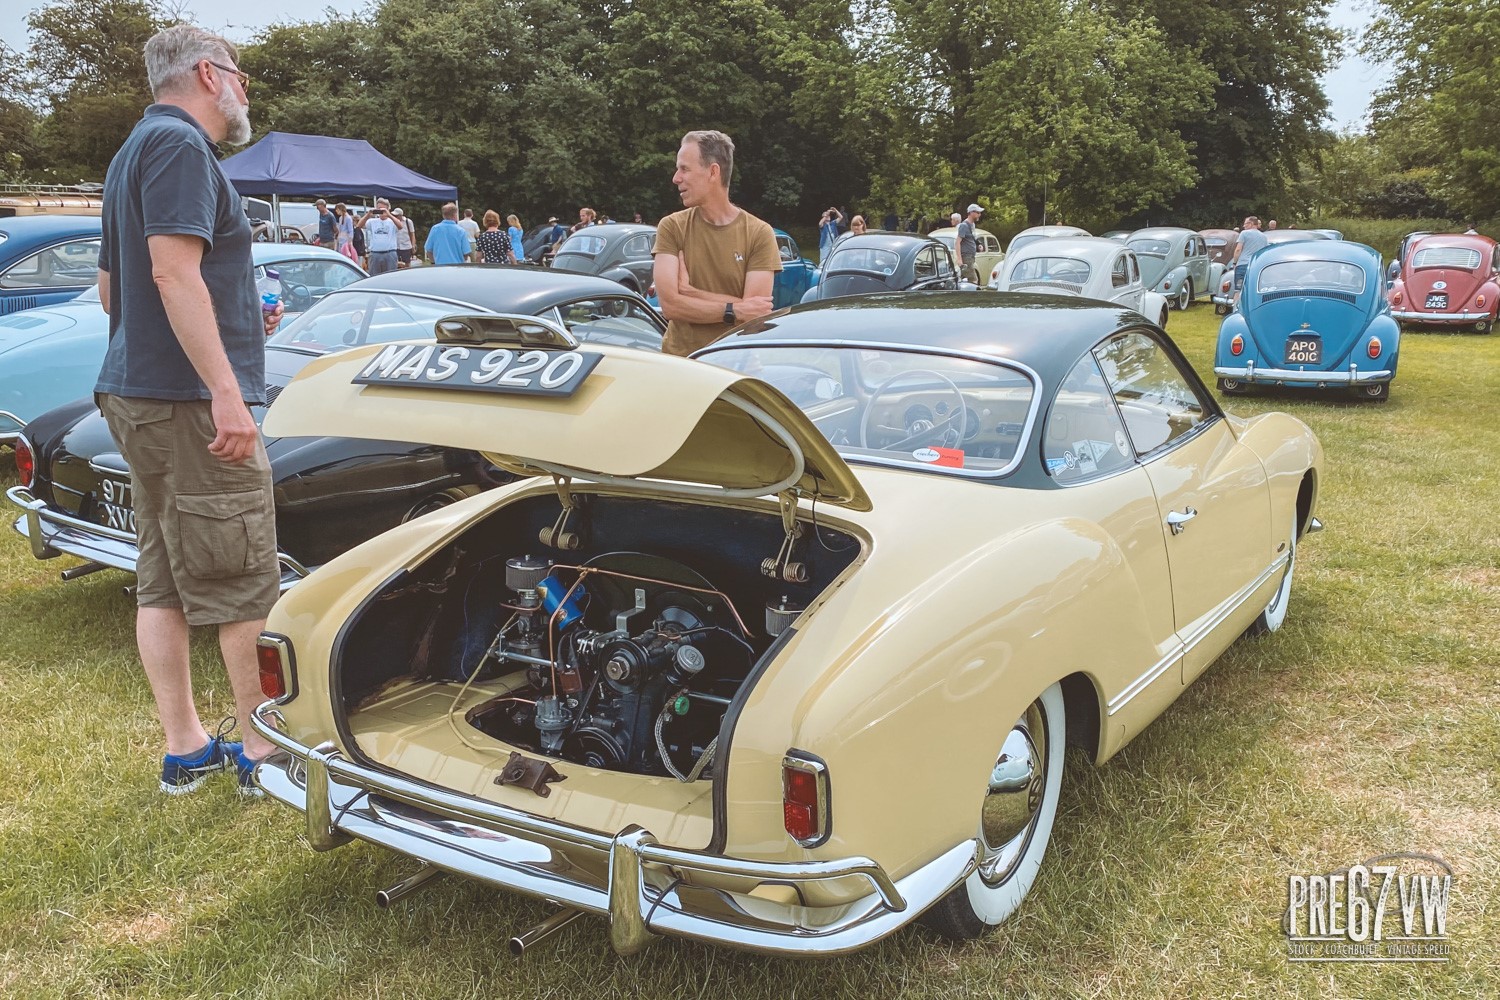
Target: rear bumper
53	533
1285	376
1436	317
642	887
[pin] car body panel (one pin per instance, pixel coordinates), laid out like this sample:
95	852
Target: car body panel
797	274
619	251
1329	291
46	259
884	262
1448	280
938	627
52	354
1025	238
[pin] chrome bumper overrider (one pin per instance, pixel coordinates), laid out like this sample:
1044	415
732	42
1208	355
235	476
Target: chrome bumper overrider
52	533
1433	317
641	886
1287	376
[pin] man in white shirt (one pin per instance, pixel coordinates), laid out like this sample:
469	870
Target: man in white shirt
468	225
405	233
380	237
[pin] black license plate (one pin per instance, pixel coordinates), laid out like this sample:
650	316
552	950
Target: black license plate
114	505
1437	301
1304	350
502	370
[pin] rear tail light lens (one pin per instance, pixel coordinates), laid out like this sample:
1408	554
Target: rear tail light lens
1166	286
1373	349
804	798
273	653
1237	345
1479	302
651	291
25	461
1396	297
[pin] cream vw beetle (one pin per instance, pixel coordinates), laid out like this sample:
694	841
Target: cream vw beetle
1090	267
700	677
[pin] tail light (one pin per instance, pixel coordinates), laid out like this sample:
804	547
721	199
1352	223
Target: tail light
1237	345
1396	297
1166	285
1373	349
804	798
1479	302
273	653
651	291
25	461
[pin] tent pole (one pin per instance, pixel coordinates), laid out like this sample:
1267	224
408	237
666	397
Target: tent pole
275	218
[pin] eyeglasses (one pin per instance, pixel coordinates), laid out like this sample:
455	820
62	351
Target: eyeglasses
244	77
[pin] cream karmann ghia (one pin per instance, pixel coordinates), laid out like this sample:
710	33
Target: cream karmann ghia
700	677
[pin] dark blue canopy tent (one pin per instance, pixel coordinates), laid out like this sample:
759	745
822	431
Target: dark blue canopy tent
312	166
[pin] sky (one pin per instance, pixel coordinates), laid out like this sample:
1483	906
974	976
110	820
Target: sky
1349	86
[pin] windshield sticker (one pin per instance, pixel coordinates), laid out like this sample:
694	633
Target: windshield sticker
1084	450
951	457
498	370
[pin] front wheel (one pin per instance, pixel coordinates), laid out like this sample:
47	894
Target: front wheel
1016	812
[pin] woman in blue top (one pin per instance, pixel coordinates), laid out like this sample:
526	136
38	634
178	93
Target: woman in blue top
515	238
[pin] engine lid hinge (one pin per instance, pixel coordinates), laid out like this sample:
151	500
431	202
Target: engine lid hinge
782	567
525	772
558	536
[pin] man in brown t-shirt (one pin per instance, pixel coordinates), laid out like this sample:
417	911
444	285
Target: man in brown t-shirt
715	263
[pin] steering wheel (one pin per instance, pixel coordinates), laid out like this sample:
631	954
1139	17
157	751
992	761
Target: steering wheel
921	429
298	298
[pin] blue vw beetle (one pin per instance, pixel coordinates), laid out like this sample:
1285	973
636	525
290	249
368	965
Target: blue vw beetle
1313	315
51	355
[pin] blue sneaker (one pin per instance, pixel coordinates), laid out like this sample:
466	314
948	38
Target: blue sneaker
245	768
183	774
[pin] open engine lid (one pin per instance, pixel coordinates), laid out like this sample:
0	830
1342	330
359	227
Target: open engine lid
546	405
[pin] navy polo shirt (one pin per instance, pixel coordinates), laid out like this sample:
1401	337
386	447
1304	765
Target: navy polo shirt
166	179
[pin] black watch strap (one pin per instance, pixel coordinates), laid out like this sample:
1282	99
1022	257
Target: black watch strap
729	312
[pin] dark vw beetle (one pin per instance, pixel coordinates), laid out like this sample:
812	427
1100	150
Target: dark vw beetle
617	251
331	493
885	262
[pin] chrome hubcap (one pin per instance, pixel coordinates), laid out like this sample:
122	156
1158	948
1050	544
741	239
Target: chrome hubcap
1013	797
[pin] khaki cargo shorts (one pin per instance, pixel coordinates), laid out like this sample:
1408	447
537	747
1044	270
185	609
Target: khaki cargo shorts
206	529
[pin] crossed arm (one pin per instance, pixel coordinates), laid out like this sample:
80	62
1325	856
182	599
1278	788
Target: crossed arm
681	301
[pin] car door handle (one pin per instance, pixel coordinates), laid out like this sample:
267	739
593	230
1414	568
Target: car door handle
1178	522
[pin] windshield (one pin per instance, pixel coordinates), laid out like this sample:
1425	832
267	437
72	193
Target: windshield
867	259
1151	248
915	409
1051	270
350	318
1306	275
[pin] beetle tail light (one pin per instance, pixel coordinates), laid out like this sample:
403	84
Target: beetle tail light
1396	297
1373	348
273	654
1237	345
1166	285
651	291
1480	301
25	461
804	799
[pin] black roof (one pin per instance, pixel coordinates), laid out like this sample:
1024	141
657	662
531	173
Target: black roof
510	288
897	242
1049	333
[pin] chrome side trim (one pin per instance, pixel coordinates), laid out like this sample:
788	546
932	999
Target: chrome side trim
644	888
1215	619
9	434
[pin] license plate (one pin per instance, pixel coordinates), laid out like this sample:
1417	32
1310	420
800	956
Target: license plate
1304	350
502	370
113	506
1437	301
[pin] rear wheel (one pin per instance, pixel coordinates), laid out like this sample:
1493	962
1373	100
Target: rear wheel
1016	813
438	501
1483	326
1162	321
1185	297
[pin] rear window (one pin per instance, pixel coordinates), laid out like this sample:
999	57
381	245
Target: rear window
1459	257
1052	271
580	243
1311	274
868	259
1155	248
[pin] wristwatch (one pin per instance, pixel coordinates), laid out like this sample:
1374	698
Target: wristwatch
729	312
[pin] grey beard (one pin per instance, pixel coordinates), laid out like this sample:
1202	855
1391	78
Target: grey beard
236	118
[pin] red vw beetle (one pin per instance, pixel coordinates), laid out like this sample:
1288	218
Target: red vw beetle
1448	280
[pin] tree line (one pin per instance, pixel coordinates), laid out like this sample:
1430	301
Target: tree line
1098	112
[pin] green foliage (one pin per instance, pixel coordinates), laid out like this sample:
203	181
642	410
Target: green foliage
1384	235
1439	105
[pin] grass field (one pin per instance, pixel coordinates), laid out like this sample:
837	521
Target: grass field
1369	724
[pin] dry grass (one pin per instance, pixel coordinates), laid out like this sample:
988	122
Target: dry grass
1369	724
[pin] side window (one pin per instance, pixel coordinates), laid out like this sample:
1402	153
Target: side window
1119	277
1156	399
1084	437
944	263
638	246
67	265
1135	269
304	282
925	264
786	248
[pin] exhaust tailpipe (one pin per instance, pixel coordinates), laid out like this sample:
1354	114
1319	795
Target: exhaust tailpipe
385	897
530	938
75	572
